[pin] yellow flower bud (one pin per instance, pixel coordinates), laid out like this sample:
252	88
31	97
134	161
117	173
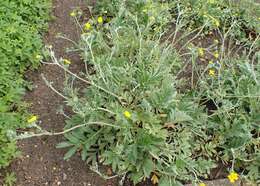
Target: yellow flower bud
216	54
73	14
100	20
201	52
127	114
212	72
66	62
87	26
32	119
38	57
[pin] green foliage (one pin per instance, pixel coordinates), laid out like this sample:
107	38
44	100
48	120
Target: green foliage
10	179
8	122
152	12
134	114
235	123
240	17
20	43
135	74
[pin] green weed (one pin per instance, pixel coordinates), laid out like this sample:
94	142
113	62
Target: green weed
10	179
20	43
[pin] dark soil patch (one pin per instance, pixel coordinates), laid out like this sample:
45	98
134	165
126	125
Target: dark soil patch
2	176
41	163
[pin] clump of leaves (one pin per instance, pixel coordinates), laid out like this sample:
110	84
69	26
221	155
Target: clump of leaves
240	18
155	13
135	119
10	179
235	123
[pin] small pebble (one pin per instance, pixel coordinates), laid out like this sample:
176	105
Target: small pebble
64	176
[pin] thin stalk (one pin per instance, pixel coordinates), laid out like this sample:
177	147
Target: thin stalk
47	133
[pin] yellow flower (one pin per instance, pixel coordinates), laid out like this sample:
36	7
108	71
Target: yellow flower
127	114
216	54
212	72
233	176
202	184
73	14
66	62
211	62
87	26
155	179
100	20
32	119
201	52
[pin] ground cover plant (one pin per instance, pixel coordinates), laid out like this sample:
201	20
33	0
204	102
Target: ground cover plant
21	22
140	115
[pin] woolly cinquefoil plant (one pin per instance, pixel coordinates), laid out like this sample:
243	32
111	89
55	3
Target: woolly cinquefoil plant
129	114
